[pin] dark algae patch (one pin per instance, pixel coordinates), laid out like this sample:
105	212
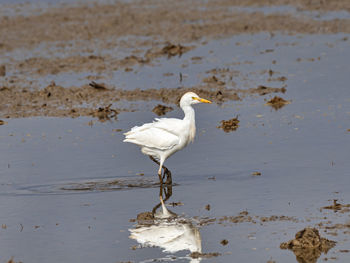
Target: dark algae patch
308	245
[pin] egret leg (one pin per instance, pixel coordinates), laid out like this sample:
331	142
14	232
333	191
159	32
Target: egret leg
159	170
166	171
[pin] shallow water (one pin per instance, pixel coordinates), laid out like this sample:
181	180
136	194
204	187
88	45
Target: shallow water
68	189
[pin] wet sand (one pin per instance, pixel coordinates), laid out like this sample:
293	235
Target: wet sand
270	160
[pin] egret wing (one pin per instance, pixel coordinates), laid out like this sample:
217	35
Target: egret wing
172	125
153	137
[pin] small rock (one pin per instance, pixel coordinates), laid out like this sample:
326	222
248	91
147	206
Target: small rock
224	242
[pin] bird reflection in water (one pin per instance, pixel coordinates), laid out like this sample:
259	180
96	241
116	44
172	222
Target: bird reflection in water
165	229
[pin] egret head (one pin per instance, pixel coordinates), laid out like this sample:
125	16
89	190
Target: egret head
191	98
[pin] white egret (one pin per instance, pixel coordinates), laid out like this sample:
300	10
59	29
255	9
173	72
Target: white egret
165	136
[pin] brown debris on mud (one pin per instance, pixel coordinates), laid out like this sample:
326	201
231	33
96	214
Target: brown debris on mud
161	110
105	113
263	90
97	86
145	218
300	4
337	207
58	101
229	125
277	102
162	21
213	80
204	255
308	245
155	31
54	65
245	217
174	50
2	71
335	227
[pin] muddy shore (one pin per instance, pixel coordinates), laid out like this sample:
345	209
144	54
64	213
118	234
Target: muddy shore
65	38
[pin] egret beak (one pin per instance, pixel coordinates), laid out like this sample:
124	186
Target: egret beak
201	100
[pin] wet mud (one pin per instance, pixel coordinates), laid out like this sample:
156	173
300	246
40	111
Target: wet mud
156	20
58	101
65	36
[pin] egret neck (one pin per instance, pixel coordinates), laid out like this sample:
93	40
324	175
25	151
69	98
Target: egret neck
190	117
